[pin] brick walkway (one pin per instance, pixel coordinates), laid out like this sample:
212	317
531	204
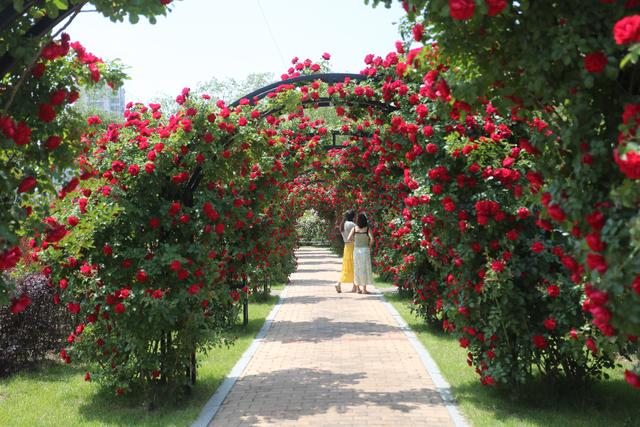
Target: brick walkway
332	359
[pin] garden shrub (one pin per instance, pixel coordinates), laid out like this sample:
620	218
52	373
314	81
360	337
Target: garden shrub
312	229
35	332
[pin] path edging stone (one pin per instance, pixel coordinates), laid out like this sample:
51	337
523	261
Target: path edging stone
443	387
213	404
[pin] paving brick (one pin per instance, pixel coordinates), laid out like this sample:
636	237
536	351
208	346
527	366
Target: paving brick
332	359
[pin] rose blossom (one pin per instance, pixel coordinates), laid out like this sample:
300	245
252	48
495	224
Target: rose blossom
462	9
627	30
595	62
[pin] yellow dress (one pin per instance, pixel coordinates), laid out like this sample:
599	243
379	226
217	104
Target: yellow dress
347	263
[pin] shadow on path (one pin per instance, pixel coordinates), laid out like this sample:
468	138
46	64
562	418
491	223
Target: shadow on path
323	329
313	391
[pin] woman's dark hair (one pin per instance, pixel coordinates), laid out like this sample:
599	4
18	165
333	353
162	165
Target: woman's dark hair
347	216
362	220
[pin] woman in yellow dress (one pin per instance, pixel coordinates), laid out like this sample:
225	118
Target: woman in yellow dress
346	226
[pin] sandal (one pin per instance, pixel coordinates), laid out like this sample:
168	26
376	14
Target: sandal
354	289
359	290
338	289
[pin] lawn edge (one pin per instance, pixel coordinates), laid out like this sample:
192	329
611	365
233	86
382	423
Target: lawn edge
443	387
212	406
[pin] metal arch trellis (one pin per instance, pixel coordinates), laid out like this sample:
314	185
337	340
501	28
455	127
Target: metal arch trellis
253	97
264	91
260	93
38	29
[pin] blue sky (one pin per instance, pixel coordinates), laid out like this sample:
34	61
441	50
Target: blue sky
200	39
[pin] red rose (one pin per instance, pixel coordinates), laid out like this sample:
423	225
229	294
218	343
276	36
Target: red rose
141	276
591	345
550	324
20	304
462	9
594	242
9	258
73	307
556	213
46	113
27	184
464	342
595	62
495	6
539	341
52	142
58	97
119	308
418	32
497	266
38	70
72	221
174	208
627	30
636	284
632	378
597	262
629	163
537	247
73	97
220	228
553	291
210	212
22	134
55	233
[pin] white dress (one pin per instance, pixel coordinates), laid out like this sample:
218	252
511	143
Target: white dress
362	274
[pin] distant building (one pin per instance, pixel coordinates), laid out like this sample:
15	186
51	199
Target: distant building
104	99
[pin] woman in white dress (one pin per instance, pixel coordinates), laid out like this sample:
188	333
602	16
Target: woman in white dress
362	243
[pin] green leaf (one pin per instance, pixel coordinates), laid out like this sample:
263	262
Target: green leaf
18	5
61	4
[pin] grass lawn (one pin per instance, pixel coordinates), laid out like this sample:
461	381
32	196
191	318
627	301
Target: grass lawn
609	403
57	395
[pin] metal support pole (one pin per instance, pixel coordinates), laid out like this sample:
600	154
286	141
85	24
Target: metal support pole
245	311
193	368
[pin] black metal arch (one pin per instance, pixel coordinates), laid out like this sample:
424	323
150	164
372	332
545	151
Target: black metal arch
40	27
258	94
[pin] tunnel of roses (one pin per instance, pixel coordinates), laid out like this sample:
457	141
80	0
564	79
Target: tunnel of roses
501	181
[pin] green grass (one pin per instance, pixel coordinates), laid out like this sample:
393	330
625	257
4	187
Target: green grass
381	284
57	395
603	404
277	287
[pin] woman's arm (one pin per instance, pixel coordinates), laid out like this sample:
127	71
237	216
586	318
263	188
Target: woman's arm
370	238
353	230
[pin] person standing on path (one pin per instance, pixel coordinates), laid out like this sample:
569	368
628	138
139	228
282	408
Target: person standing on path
346	226
363	240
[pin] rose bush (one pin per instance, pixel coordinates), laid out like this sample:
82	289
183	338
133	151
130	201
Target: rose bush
578	98
42	74
167	217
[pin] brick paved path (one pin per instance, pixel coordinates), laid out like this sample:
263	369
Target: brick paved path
332	359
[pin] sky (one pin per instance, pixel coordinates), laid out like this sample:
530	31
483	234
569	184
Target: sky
201	39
